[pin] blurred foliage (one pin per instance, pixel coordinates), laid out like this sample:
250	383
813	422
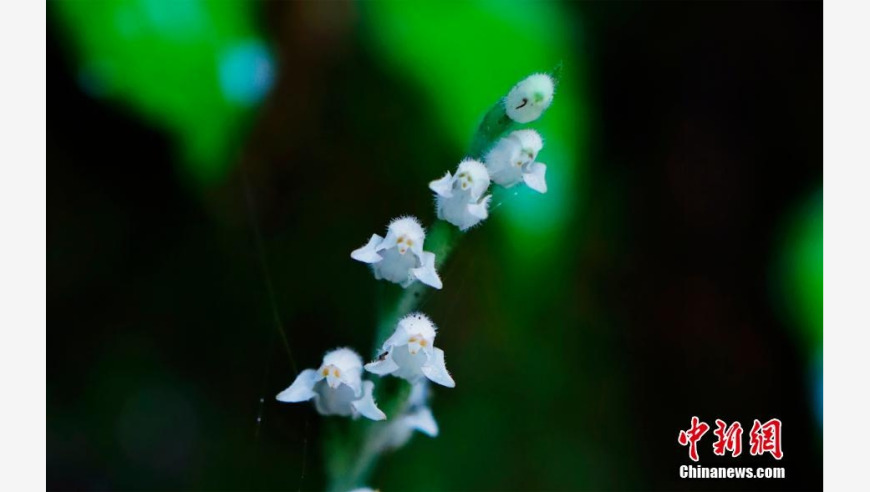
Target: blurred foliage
800	275
192	66
799	289
565	325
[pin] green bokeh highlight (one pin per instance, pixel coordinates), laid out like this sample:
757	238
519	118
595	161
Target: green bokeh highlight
800	276
465	56
162	59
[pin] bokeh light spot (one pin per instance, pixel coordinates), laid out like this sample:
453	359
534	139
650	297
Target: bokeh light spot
246	72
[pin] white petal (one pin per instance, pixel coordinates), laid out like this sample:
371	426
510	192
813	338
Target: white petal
502	156
407	226
443	186
455	210
395	267
529	98
535	177
530	141
415	346
349	365
368	253
334	401
344	358
302	388
389	240
480	209
415	323
366	405
501	162
382	367
436	370
423	421
419	394
426	273
417	249
478	176
410	365
399	337
408	281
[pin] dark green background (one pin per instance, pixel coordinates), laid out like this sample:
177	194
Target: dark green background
678	271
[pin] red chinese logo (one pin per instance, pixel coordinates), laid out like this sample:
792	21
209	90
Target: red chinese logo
729	439
692	436
763	438
766	438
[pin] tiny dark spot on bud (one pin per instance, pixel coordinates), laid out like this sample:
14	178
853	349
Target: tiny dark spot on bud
525	101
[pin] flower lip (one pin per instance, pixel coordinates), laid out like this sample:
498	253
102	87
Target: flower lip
417	342
403	243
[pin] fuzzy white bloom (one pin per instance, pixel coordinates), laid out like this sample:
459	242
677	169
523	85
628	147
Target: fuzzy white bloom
337	387
364	489
410	353
459	199
417	417
529	98
512	160
399	257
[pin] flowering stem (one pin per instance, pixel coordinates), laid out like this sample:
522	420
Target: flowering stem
353	454
441	238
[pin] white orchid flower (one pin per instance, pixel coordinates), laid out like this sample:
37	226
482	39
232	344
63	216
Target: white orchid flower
459	199
399	257
417	417
336	387
529	98
410	353
512	161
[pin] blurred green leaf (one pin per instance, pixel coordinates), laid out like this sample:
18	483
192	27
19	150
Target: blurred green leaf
194	67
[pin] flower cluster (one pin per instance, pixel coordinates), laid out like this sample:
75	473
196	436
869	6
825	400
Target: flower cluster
337	387
461	199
